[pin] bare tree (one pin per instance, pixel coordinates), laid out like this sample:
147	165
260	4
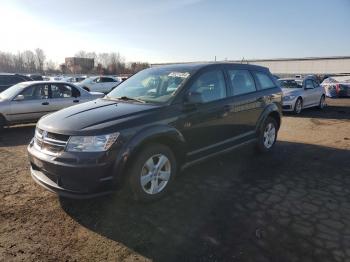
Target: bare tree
40	59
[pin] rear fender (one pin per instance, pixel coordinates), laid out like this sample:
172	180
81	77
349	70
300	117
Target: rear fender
271	109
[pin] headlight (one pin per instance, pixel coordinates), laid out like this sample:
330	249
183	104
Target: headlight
288	98
91	143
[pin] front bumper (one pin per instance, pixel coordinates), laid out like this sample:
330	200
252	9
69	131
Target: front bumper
82	175
288	105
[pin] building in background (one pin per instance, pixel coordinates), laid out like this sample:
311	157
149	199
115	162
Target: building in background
78	65
334	65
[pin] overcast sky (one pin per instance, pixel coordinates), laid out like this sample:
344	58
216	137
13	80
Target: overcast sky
178	30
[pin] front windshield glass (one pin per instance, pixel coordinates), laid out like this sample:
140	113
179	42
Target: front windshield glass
290	83
155	85
13	90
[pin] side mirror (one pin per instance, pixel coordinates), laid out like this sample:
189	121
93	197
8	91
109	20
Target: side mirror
19	98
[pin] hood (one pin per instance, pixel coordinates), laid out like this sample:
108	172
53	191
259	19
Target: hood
291	91
93	117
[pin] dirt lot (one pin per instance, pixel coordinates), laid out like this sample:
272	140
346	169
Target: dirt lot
290	205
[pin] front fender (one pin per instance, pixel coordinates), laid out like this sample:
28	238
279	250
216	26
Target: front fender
149	134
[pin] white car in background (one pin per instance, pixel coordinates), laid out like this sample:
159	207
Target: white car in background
102	84
301	93
26	102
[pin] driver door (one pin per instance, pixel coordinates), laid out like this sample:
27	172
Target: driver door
205	126
34	104
308	92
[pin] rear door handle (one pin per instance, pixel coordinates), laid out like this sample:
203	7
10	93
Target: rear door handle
76	101
45	103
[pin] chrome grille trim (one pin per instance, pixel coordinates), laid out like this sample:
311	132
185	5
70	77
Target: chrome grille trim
44	142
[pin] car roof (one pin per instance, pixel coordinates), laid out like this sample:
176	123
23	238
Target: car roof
292	79
198	66
45	82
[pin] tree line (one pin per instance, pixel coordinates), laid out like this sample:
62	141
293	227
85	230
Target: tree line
35	61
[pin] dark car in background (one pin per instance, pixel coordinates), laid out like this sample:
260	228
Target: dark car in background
7	80
155	123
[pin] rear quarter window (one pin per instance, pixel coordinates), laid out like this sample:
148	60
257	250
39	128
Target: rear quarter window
264	80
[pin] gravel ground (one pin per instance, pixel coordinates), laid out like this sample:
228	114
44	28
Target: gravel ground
289	205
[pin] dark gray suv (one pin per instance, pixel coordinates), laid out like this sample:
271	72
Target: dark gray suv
155	123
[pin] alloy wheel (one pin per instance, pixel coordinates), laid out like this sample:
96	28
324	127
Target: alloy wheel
298	106
155	174
269	135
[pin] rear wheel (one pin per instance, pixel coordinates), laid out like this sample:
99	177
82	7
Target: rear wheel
267	135
322	103
152	172
298	106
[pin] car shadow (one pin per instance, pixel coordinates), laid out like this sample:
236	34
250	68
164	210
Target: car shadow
236	207
16	135
333	110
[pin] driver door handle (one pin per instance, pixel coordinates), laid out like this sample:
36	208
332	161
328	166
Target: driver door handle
76	101
45	103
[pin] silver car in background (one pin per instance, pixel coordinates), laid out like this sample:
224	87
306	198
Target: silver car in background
28	101
301	93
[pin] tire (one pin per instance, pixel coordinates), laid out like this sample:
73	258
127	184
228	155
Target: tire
267	137
322	103
2	122
154	184
298	107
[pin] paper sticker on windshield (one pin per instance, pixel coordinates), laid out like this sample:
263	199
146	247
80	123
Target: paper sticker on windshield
179	74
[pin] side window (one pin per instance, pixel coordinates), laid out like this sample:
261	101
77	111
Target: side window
4	80
264	80
61	91
242	82
75	91
36	92
315	84
107	79
211	86
97	80
18	79
309	84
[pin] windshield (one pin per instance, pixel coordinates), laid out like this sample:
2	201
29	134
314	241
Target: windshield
13	90
290	83
155	85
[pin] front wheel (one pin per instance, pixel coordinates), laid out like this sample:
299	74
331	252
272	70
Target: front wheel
322	103
298	106
152	172
267	135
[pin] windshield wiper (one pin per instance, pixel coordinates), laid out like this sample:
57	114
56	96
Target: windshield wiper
126	98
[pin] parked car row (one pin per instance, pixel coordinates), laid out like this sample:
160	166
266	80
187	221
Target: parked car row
102	84
301	93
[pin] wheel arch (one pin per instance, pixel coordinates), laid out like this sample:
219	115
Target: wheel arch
164	135
273	111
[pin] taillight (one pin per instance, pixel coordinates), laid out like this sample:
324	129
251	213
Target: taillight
337	88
